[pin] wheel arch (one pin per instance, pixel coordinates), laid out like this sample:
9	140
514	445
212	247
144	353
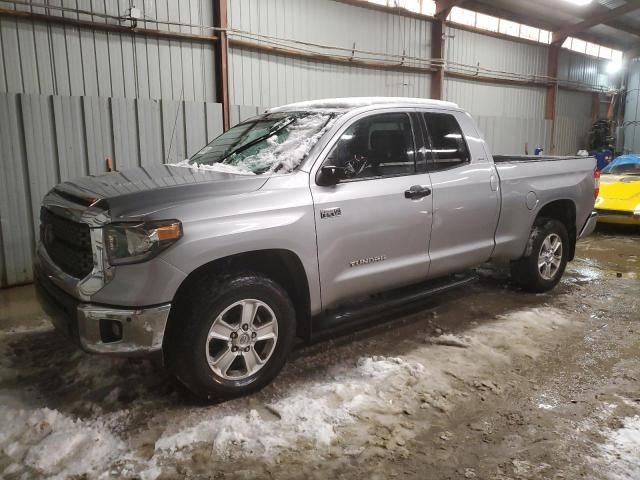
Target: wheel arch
564	211
281	265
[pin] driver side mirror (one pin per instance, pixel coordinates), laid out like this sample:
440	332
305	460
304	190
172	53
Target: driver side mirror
330	175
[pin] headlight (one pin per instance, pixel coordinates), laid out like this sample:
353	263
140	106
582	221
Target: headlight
636	212
137	242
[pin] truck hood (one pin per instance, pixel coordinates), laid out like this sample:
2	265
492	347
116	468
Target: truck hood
139	191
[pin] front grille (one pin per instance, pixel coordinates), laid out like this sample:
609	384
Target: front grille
68	243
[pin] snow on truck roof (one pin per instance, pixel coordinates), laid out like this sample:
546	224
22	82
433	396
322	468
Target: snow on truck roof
357	102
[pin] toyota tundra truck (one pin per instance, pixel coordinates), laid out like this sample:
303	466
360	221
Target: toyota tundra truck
298	221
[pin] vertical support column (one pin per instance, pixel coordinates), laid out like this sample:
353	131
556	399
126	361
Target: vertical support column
552	91
221	58
595	106
437	51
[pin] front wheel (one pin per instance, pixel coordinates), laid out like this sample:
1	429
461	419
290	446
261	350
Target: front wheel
542	266
238	332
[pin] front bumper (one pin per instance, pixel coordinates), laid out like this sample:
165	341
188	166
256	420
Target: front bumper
102	329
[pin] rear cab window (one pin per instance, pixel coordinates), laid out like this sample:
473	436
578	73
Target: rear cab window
448	145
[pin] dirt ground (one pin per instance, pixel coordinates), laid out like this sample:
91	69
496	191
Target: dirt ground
486	383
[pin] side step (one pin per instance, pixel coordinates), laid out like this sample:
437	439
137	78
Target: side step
361	314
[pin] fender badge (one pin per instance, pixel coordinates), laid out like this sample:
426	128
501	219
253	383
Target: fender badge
330	212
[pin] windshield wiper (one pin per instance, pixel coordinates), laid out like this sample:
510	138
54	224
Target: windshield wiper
274	130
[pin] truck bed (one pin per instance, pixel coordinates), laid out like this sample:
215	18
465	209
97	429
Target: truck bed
533	158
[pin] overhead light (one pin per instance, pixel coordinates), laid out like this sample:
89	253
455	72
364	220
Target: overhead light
580	3
614	66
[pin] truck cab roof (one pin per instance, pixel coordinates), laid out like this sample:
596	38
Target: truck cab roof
352	103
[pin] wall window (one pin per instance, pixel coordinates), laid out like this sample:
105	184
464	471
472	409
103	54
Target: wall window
494	24
463	16
376	146
447	142
530	33
487	22
509	28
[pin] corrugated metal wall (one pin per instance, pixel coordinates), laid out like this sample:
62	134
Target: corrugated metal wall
472	48
573	121
46	139
270	80
583	69
508	116
632	109
53	59
71	97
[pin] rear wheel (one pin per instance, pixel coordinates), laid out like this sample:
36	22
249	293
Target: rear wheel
545	259
238	332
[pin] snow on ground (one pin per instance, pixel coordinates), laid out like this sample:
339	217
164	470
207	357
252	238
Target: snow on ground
344	398
622	450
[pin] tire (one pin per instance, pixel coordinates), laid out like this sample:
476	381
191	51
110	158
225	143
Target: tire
223	366
538	270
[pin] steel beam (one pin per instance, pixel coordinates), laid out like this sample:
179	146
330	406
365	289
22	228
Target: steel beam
437	52
602	17
443	7
221	59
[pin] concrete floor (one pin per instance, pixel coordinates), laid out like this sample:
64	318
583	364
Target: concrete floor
486	383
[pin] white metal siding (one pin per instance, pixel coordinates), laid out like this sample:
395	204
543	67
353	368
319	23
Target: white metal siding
499	54
573	122
271	80
509	117
52	59
47	139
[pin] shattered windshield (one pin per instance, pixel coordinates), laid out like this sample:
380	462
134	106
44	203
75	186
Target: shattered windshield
274	142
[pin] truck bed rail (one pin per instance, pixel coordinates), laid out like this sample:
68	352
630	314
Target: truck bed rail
535	158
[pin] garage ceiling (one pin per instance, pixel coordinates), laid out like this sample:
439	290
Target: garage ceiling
621	32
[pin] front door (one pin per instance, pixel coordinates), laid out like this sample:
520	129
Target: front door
373	226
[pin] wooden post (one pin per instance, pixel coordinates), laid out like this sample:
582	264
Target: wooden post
222	60
552	91
437	52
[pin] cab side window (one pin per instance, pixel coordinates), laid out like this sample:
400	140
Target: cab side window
376	146
447	141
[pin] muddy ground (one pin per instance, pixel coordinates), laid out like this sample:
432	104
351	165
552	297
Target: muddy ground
485	382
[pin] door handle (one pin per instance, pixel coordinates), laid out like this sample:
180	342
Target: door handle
417	191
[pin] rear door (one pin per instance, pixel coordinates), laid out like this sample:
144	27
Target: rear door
465	193
371	235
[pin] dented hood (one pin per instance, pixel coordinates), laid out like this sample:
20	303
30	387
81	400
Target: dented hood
139	191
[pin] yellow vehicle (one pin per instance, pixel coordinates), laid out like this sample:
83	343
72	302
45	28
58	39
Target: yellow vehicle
619	197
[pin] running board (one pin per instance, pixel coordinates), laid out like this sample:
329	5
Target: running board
349	318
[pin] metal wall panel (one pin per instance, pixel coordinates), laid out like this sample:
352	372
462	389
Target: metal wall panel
632	109
584	69
280	80
15	212
498	54
50	59
573	122
270	80
45	139
509	117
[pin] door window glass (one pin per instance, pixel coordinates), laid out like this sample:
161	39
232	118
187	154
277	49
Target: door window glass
447	142
376	146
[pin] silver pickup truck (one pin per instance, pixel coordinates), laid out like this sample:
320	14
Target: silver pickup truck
293	223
